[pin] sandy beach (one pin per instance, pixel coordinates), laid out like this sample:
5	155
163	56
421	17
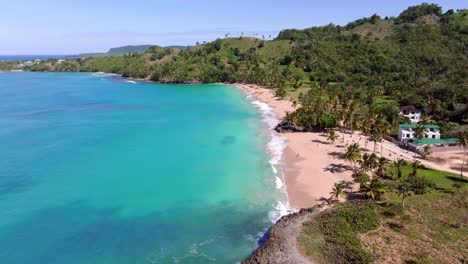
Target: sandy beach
312	165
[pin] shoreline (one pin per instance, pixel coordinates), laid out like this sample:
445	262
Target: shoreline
304	160
312	165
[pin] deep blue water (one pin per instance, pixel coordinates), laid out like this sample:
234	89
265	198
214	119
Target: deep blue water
96	169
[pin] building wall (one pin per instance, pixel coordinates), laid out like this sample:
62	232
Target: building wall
415	117
407	134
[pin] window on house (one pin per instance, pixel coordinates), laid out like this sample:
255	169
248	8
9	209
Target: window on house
433	136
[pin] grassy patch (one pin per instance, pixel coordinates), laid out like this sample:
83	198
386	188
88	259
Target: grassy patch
333	235
431	228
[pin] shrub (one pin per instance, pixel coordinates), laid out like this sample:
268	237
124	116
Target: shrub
420	185
280	92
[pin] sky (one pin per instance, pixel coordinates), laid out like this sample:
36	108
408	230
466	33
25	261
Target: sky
79	26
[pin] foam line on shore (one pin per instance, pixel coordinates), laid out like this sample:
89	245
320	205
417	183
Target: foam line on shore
275	148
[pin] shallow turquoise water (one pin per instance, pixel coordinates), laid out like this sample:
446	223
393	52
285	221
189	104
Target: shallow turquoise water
95	169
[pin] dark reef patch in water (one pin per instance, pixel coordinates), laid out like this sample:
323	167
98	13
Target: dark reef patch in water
228	140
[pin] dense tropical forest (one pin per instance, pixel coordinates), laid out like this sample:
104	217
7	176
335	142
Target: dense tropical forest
369	66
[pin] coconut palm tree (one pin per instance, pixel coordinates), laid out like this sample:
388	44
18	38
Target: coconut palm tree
426	151
381	166
404	190
463	138
368	162
332	136
375	137
337	191
353	154
415	165
374	189
399	164
419	131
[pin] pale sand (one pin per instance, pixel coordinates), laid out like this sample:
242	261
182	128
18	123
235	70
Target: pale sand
312	165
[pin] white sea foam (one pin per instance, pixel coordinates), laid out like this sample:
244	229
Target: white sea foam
101	74
275	148
130	81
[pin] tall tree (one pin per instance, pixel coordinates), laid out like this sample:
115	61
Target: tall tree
404	190
399	164
419	131
415	165
353	154
381	166
368	162
463	140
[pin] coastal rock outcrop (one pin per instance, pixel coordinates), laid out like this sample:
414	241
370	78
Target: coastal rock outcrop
288	126
281	245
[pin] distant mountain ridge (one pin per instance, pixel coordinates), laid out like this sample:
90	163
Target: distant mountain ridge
120	51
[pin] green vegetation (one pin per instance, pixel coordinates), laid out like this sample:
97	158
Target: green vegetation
119	51
417	58
333	235
422	217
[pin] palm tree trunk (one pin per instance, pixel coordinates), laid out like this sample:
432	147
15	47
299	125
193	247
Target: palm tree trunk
463	164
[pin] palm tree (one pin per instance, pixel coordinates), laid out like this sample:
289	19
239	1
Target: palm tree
404	190
366	129
415	166
353	154
426	151
399	164
368	162
419	131
375	137
374	189
463	137
337	191
381	166
332	136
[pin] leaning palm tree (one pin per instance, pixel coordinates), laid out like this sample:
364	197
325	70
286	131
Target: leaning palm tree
399	164
332	136
463	138
337	191
353	154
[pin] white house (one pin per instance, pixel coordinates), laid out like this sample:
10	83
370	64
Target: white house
411	112
406	132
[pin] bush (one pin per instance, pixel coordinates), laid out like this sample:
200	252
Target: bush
420	185
280	92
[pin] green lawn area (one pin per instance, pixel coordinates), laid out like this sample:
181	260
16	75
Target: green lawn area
431	228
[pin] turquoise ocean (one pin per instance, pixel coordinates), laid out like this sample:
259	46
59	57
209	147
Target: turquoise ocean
95	168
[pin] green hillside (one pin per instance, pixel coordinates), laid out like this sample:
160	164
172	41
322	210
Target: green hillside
418	57
120	51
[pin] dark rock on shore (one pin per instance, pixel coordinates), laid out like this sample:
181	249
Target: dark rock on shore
288	126
281	245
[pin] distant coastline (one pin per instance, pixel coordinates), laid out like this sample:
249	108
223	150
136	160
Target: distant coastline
35	57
